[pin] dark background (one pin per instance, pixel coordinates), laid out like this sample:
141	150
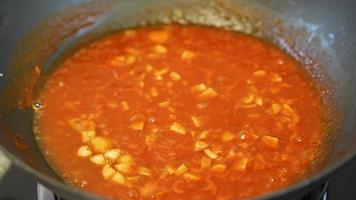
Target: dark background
17	185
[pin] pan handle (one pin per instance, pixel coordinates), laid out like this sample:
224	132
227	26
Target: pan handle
4	164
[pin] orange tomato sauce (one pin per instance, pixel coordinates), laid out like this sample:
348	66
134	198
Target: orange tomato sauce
180	112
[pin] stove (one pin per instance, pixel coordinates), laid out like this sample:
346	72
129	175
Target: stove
320	193
17	185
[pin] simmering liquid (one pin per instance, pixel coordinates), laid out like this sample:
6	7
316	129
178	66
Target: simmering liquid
180	112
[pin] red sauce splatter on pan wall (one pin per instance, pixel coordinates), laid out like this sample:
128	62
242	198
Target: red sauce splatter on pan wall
180	112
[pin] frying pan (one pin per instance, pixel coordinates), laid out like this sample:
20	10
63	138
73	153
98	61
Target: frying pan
35	35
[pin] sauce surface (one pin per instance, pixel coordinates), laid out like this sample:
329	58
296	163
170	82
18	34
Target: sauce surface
180	112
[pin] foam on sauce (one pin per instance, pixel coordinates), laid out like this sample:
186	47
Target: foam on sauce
180	112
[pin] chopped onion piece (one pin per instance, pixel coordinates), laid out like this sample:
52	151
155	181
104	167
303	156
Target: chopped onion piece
164	104
123	167
187	55
151	138
149	68
199	88
88	136
84	151
288	111
196	121
191	177
175	76
205	162
108	172
181	169
100	144
122	60
260	73
159	36
137	122
243	134
276	78
130	59
125	105
126	159
144	171
153	92
98	159
170	169
159	49
178	128
118	178
259	101
161	72
270	141
219	168
276	108
211	154
249	99
241	164
208	93
200	145
227	136
203	135
112	154
137	126
81	125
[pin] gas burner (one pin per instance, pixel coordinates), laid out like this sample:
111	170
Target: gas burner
318	194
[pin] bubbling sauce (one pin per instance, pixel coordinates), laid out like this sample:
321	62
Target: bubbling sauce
180	112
